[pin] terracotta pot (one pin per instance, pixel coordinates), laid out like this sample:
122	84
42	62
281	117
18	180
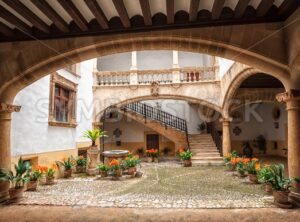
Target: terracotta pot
118	173
16	194
155	159
149	159
241	174
131	170
187	163
49	180
80	169
32	185
268	188
253	178
67	173
281	197
103	173
93	154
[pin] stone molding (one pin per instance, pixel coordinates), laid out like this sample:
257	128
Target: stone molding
290	95
225	120
4	107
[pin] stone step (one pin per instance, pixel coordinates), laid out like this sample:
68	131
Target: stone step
207	163
204	148
215	154
207	158
195	152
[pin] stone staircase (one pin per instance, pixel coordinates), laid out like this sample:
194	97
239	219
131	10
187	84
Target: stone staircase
204	150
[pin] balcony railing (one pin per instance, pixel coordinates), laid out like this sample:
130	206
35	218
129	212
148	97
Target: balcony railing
163	76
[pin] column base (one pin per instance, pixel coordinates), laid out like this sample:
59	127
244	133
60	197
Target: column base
92	171
4	196
295	198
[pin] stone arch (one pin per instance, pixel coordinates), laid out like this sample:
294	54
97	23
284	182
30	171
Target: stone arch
239	79
44	61
99	113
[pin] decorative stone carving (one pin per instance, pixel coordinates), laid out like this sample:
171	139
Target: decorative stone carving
4	107
292	94
154	89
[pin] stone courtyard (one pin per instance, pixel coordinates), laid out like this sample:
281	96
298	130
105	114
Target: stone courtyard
163	185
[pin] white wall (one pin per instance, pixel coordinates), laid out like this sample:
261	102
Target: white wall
263	125
224	64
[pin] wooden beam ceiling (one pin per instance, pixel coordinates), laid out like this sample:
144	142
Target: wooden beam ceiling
120	7
145	6
217	9
287	6
51	14
6	15
77	17
98	13
263	7
170	11
194	5
28	15
241	8
5	30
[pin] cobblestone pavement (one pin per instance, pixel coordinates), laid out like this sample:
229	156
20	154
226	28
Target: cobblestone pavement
164	185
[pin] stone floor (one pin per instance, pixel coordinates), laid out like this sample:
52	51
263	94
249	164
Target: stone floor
164	185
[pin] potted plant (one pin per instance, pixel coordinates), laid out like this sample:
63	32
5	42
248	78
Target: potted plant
34	176
266	176
93	151
186	156
281	185
155	155
16	179
227	160
131	164
103	169
260	143
241	164
67	164
115	168
149	155
81	164
166	151
253	167
50	174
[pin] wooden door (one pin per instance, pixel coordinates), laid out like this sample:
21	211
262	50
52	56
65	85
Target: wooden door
152	141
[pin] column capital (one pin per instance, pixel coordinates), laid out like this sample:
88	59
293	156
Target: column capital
8	108
289	95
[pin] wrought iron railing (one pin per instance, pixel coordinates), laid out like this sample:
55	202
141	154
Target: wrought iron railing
163	117
217	138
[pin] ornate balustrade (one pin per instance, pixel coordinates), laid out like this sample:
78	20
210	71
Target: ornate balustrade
163	76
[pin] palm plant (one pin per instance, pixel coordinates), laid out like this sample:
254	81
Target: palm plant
93	135
17	179
279	182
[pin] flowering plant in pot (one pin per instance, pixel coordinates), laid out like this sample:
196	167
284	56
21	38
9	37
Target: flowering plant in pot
34	176
103	169
67	164
186	156
17	179
152	154
115	168
241	164
227	160
281	185
50	174
131	164
253	168
266	176
81	164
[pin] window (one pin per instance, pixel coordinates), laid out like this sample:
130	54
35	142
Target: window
62	109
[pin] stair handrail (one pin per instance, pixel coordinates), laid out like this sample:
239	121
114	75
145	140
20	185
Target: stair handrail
216	137
156	114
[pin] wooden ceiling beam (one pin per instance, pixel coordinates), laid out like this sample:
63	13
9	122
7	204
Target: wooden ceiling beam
28	15
120	7
263	7
44	6
145	6
170	11
241	8
287	6
217	9
5	30
75	14
98	13
194	5
12	19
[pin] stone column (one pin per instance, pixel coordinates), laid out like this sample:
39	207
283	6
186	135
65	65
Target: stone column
175	66
292	100
5	152
226	143
133	74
